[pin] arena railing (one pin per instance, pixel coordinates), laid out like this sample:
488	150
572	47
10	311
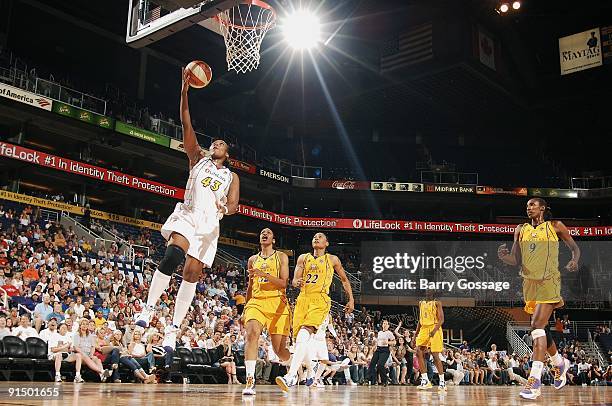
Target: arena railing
596	351
49	215
515	341
69	96
69	219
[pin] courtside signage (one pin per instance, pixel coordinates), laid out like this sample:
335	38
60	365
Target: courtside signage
83	115
22	96
274	176
401	225
91	171
145	135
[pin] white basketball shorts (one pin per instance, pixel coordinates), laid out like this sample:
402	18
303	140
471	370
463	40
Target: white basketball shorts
200	230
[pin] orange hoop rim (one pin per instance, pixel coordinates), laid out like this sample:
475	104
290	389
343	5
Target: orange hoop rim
259	3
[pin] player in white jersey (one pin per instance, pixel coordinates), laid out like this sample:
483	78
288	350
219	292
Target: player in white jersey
192	230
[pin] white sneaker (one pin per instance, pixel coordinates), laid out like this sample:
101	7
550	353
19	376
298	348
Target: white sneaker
58	378
319	384
78	379
144	317
352	383
105	374
285	382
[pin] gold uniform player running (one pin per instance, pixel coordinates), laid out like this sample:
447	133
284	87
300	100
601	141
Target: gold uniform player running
536	251
266	304
314	273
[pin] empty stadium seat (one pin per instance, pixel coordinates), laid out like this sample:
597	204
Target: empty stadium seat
15	358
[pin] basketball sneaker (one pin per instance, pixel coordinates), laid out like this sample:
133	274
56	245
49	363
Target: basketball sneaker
425	384
561	374
144	317
250	386
318	384
442	387
285	382
531	389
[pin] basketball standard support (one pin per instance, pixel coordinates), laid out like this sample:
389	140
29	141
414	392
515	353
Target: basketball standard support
139	35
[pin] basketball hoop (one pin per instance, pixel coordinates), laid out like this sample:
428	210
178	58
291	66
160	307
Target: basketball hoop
243	28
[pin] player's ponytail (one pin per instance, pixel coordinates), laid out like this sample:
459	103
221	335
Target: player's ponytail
547	212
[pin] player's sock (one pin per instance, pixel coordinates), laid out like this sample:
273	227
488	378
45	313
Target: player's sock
184	297
312	366
301	351
320	370
424	378
441	377
159	284
250	368
557	359
536	369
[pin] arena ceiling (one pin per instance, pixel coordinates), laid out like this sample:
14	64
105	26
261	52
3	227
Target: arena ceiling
452	91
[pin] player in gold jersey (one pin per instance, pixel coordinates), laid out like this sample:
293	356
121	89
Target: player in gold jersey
266	304
536	251
428	335
314	273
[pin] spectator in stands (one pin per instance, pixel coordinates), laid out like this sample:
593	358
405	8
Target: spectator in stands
84	343
262	364
137	350
127	360
49	331
59	348
608	375
41	311
58	312
4	330
24	330
228	360
359	365
584	369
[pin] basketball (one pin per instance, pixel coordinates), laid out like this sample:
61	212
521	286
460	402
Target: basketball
200	74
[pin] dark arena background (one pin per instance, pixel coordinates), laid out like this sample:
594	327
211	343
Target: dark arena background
392	126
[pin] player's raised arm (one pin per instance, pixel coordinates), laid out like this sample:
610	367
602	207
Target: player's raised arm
512	257
299	272
190	142
346	284
565	235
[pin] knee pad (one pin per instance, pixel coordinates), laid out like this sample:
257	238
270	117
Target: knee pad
537	333
172	259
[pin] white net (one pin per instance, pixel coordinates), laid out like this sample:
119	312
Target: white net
243	28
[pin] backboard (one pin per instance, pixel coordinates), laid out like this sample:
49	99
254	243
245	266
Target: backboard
152	20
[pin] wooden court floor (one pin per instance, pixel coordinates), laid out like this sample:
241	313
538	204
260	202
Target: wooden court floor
87	394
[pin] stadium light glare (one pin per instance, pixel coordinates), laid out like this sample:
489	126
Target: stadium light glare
301	29
516	5
504	8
